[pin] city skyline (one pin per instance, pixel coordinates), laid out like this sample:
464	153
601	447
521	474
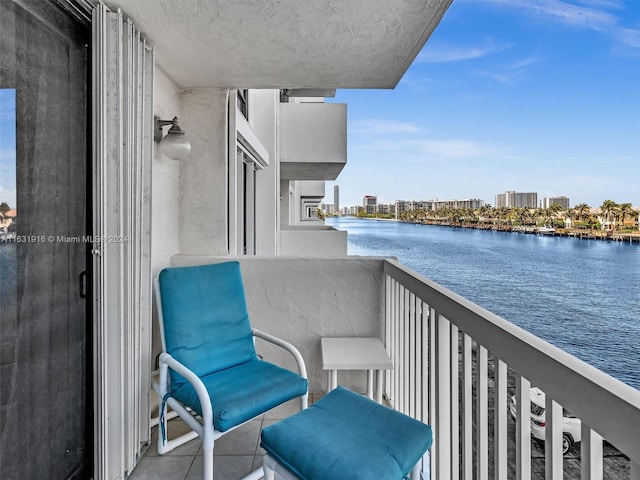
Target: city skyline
506	95
541	202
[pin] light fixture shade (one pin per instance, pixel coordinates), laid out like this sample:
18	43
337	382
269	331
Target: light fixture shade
175	145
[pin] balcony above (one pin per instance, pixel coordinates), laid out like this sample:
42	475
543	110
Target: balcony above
313	140
285	44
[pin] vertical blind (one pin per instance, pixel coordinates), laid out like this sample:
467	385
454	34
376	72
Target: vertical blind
123	147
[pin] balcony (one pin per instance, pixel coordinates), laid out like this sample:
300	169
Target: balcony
319	241
455	367
313	140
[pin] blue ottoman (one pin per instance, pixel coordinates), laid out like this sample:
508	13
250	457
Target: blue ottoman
345	436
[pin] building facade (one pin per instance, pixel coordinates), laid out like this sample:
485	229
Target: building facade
562	201
511	199
369	203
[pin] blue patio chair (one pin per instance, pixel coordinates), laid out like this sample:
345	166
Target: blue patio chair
210	374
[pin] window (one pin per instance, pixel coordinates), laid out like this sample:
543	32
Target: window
243	98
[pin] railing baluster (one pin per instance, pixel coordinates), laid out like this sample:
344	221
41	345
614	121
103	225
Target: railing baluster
388	312
500	421
523	428
553	439
405	350
482	412
402	364
443	392
411	347
421	414
424	367
396	363
467	409
590	454
455	404
433	387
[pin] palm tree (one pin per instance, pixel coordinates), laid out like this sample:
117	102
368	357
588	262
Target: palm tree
625	210
551	212
608	210
581	210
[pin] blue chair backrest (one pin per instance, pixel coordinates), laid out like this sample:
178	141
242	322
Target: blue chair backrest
206	322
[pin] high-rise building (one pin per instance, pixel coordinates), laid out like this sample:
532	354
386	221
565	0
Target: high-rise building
369	203
511	199
562	201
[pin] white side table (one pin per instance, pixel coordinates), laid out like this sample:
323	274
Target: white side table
355	353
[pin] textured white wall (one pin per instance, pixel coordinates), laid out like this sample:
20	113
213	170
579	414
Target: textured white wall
203	181
165	183
262	117
303	299
321	241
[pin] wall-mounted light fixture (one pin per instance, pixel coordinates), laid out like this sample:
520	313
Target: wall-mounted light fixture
175	143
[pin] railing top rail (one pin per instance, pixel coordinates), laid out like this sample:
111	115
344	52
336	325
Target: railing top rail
605	404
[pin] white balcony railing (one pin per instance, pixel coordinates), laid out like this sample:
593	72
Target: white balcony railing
447	351
452	360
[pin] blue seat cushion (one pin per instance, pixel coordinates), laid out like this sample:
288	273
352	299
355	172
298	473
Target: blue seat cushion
244	391
347	436
205	316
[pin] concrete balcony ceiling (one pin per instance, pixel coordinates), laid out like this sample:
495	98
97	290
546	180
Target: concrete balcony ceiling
285	43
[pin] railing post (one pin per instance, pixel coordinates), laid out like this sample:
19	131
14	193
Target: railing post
553	440
467	409
433	387
455	404
443	392
482	412
500	421
590	454
388	301
523	428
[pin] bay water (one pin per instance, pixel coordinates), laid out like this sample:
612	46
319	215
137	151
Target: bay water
580	295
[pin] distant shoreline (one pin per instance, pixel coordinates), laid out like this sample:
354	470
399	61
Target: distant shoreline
583	234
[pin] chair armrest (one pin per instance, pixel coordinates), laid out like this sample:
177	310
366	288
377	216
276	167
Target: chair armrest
166	362
302	369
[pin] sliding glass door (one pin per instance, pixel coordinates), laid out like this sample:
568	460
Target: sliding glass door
45	335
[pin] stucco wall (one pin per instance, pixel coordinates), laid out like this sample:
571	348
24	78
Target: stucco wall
165	182
302	300
320	241
262	117
203	181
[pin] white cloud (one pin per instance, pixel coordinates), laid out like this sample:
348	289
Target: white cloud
511	73
561	12
446	53
628	37
383	127
455	148
590	14
438	149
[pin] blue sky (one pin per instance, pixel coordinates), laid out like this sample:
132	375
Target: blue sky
8	147
527	95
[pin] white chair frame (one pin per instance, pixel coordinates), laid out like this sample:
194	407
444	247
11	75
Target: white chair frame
202	426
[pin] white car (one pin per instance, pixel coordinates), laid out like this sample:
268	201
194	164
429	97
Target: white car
571	426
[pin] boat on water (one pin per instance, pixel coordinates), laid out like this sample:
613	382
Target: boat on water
546	230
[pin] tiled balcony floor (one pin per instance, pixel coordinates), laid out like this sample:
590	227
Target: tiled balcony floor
236	454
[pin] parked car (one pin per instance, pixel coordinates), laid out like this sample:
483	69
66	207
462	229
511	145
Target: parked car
571	425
